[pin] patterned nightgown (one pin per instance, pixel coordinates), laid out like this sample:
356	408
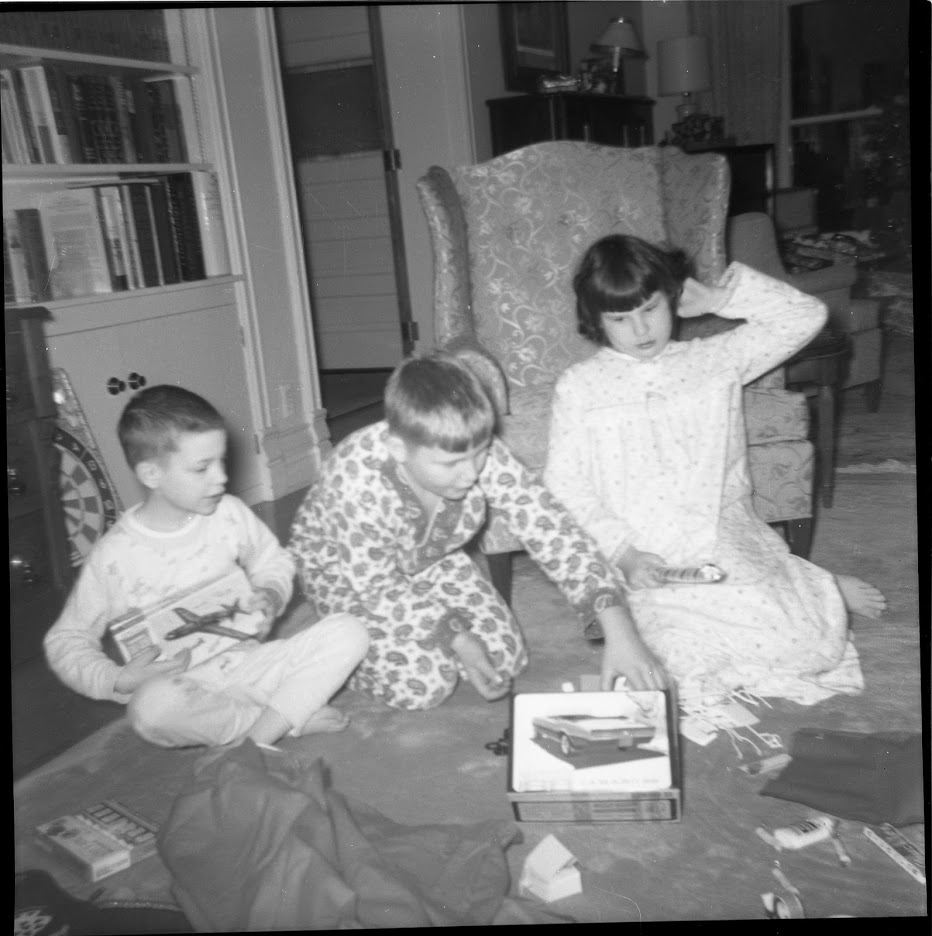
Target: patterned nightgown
364	544
653	453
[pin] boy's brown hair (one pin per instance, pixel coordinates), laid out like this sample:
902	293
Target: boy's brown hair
154	418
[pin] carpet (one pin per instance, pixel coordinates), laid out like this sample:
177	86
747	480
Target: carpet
434	766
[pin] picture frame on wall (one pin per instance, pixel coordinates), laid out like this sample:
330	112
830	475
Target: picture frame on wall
535	43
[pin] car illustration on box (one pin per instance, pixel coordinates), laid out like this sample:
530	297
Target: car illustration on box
576	733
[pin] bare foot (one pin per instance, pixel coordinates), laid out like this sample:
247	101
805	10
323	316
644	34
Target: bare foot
326	719
861	597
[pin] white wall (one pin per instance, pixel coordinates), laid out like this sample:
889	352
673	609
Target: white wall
432	123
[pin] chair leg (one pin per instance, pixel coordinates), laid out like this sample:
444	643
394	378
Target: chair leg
799	536
500	567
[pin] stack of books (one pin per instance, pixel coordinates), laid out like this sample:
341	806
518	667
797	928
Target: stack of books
132	232
55	115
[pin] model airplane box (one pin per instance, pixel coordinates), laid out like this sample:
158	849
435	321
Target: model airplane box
100	840
207	618
594	756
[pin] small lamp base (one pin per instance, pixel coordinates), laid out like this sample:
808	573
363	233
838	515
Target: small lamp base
689	106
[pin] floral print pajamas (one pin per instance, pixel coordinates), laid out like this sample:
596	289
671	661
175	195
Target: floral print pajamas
365	545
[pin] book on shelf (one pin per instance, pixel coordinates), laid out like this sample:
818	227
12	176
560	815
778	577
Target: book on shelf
48	121
13	119
163	232
74	244
210	218
105	122
110	214
185	226
25	117
16	286
99	840
167	136
80	111
137	274
37	268
206	618
137	33
137	197
126	115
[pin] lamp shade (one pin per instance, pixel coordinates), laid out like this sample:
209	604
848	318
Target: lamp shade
683	65
620	34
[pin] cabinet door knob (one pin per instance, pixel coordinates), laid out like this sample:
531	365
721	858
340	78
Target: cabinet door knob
22	570
115	386
15	485
136	380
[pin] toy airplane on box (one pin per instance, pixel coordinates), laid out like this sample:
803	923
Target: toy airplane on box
206	619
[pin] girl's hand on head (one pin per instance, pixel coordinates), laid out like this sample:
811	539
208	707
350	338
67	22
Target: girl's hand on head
697	299
640	568
143	666
470	650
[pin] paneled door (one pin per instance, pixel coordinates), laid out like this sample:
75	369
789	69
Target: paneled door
345	168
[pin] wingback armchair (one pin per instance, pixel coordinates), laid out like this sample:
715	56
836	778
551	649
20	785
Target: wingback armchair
507	235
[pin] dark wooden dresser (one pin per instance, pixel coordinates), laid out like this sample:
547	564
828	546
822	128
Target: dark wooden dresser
40	569
610	119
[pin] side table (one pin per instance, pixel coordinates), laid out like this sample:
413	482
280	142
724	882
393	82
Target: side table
822	363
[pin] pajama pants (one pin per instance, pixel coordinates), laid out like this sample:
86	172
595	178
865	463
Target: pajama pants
219	700
409	673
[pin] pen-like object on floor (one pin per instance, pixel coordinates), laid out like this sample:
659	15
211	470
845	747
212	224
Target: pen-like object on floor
843	855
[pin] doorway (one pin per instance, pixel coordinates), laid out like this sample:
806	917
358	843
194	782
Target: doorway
345	168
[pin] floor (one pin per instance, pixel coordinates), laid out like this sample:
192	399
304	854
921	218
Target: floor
47	718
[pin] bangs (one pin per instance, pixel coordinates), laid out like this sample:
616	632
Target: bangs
446	429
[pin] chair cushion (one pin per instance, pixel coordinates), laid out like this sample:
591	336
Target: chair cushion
781	476
530	215
774	415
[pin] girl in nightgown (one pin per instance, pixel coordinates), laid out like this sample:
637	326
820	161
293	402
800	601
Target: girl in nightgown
648	451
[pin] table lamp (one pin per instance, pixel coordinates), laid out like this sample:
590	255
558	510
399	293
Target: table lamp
620	36
683	68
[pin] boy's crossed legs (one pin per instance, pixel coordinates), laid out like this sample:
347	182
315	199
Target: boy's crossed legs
261	692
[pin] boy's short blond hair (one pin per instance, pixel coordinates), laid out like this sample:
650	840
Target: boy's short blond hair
154	418
438	400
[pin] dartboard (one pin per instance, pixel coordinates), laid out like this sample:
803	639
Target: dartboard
86	495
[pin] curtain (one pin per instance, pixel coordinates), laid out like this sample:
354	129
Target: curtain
746	40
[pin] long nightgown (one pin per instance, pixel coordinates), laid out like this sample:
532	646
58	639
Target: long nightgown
653	453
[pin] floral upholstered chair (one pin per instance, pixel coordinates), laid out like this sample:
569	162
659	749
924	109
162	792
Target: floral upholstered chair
507	235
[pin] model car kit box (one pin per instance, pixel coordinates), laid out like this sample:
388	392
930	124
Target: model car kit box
594	756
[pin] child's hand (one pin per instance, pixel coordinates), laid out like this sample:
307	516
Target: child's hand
697	299
267	602
625	654
479	671
143	667
640	568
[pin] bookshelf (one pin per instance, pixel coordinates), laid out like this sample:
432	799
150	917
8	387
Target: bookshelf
129	204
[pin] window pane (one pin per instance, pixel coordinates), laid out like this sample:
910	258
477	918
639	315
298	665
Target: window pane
847	54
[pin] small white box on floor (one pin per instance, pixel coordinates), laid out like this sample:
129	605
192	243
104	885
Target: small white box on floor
594	756
550	872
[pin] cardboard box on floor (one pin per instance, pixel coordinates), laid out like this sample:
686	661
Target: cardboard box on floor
595	756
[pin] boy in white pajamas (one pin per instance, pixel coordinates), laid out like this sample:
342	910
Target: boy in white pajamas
185	531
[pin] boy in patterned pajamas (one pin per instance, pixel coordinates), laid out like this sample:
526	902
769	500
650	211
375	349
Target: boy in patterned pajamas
381	536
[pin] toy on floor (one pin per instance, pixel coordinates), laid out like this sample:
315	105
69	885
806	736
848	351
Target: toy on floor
785	905
706	574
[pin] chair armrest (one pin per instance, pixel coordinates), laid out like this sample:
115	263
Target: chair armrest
453	314
816	282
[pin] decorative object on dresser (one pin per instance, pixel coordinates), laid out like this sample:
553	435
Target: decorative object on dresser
619	37
40	571
609	119
507	235
683	68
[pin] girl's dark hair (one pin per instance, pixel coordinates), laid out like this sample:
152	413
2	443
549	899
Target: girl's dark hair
620	272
